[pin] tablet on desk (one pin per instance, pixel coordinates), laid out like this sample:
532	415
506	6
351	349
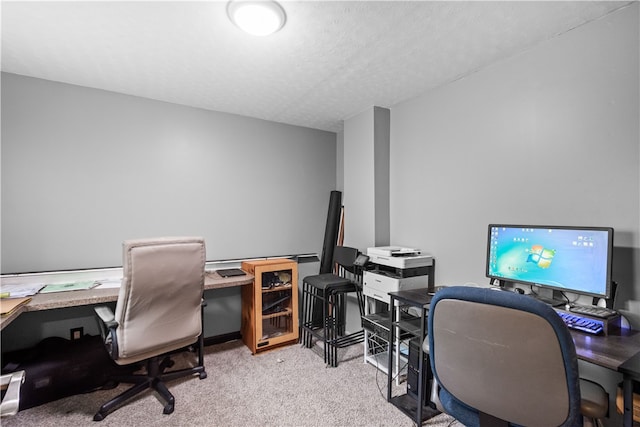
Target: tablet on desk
71	286
230	272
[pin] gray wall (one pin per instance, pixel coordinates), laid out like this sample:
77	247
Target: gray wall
549	136
365	154
84	169
358	180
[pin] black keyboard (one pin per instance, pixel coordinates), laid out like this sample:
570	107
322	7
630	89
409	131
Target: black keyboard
592	310
591	326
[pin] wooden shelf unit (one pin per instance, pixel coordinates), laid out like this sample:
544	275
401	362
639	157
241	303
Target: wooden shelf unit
270	306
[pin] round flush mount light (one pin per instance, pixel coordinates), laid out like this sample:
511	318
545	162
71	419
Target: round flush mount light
257	17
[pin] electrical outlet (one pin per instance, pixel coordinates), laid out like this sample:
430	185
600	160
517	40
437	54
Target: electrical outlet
76	333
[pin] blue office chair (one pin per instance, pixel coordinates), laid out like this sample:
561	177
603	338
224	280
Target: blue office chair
505	359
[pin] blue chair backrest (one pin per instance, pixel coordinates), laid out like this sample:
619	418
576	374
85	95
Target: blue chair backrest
502	355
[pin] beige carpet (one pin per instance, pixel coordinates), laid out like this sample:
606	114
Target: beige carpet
289	386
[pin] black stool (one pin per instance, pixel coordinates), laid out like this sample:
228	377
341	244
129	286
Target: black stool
324	304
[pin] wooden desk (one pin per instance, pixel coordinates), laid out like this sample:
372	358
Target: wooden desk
608	351
50	301
619	351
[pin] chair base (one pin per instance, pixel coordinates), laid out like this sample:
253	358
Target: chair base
155	379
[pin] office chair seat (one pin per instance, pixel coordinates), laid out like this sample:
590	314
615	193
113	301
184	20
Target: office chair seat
329	281
594	401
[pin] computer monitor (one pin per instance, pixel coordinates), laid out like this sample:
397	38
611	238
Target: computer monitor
571	259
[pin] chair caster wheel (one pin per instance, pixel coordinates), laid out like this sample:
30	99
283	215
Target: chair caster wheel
110	385
203	375
168	409
98	417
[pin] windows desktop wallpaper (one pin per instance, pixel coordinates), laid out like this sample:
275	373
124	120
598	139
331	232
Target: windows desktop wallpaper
566	259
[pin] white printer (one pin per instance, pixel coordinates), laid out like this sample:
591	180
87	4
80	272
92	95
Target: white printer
397	268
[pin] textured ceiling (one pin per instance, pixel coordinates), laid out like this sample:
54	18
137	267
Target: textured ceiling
332	59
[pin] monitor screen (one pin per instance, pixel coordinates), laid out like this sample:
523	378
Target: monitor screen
572	259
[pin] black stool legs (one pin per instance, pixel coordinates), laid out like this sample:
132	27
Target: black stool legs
328	326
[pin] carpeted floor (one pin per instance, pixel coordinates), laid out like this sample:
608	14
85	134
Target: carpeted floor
289	386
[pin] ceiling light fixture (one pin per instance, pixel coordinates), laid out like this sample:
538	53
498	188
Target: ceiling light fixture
257	17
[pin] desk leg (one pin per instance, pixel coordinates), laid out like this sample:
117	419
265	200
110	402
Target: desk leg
392	337
397	353
627	392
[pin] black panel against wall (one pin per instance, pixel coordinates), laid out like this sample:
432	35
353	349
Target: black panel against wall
331	232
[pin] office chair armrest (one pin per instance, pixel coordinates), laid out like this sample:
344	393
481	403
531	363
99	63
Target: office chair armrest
106	316
11	401
108	326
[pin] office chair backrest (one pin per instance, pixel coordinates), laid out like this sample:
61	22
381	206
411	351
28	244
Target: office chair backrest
159	304
505	355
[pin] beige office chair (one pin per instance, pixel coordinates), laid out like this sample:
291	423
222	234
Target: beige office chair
159	311
503	359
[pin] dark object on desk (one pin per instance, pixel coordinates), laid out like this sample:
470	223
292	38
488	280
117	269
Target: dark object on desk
327	292
174	297
230	272
57	368
537	369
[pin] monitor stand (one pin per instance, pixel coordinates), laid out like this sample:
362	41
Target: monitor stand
547	296
550	301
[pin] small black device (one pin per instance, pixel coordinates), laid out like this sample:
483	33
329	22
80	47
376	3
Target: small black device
361	260
230	272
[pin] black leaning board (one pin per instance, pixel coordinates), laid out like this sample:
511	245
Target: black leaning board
230	272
